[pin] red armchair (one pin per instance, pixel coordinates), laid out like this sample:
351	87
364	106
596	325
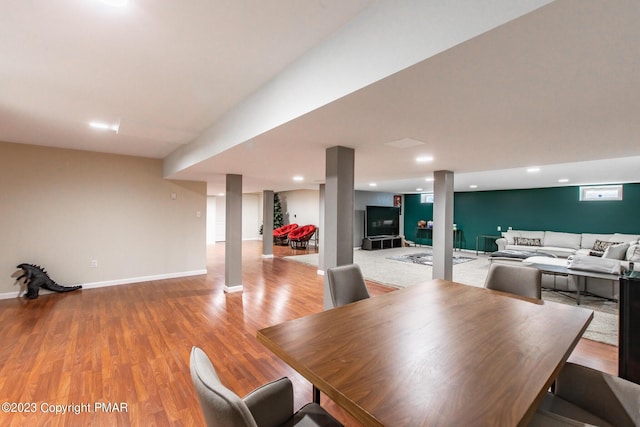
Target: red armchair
299	238
281	234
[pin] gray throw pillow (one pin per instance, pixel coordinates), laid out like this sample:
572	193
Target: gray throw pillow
616	251
527	241
599	246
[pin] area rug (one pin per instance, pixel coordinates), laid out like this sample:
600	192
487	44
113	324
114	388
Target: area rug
604	326
426	258
377	267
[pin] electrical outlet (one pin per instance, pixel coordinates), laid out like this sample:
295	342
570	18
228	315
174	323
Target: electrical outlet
94	263
499	228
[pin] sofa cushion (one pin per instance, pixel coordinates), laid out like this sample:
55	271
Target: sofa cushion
562	240
590	263
624	238
512	234
527	241
533	234
588	239
616	251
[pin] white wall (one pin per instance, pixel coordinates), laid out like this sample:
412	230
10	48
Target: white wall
62	209
211	219
251	218
301	206
251	214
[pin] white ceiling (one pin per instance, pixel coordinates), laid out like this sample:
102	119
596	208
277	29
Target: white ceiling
558	88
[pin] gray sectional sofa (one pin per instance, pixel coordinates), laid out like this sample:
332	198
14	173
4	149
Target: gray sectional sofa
623	247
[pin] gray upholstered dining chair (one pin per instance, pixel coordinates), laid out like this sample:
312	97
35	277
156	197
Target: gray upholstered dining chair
516	279
346	284
268	406
584	396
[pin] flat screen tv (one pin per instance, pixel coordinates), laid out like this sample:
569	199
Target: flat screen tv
382	221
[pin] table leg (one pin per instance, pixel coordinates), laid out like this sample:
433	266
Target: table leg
316	395
585	284
476	245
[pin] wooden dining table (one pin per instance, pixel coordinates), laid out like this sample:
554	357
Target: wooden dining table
438	353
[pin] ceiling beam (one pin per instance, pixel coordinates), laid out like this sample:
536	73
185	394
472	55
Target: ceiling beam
386	38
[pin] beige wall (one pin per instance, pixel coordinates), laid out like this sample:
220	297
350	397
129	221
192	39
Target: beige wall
64	208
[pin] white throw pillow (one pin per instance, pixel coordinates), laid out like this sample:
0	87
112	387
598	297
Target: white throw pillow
616	251
635	255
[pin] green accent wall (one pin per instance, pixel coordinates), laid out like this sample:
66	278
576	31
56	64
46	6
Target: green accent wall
553	209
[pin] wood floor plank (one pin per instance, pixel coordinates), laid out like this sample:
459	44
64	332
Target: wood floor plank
131	343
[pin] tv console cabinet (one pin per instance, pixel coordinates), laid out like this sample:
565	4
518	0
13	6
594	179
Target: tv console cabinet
381	242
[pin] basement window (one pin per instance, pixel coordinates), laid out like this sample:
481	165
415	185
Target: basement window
600	193
426	198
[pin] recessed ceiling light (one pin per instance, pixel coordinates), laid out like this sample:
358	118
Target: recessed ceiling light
104	126
424	159
298	178
418	189
429	179
563	180
473	186
221	194
534	169
372	184
115	3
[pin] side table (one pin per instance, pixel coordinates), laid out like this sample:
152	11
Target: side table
487	239
628	336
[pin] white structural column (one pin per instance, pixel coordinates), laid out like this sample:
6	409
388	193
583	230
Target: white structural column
267	224
338	212
321	226
233	239
443	225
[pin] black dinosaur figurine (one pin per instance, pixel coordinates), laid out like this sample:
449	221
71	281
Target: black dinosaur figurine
37	277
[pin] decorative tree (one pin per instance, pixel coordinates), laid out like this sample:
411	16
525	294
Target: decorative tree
278	218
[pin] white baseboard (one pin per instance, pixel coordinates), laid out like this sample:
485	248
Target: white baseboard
232	289
118	282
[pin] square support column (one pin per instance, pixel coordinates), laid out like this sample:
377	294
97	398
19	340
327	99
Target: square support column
443	225
267	224
338	211
233	231
321	226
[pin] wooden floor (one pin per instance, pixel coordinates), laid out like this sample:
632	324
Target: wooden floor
128	346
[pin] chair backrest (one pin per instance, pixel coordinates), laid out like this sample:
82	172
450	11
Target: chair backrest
220	406
346	284
284	230
516	279
302	233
